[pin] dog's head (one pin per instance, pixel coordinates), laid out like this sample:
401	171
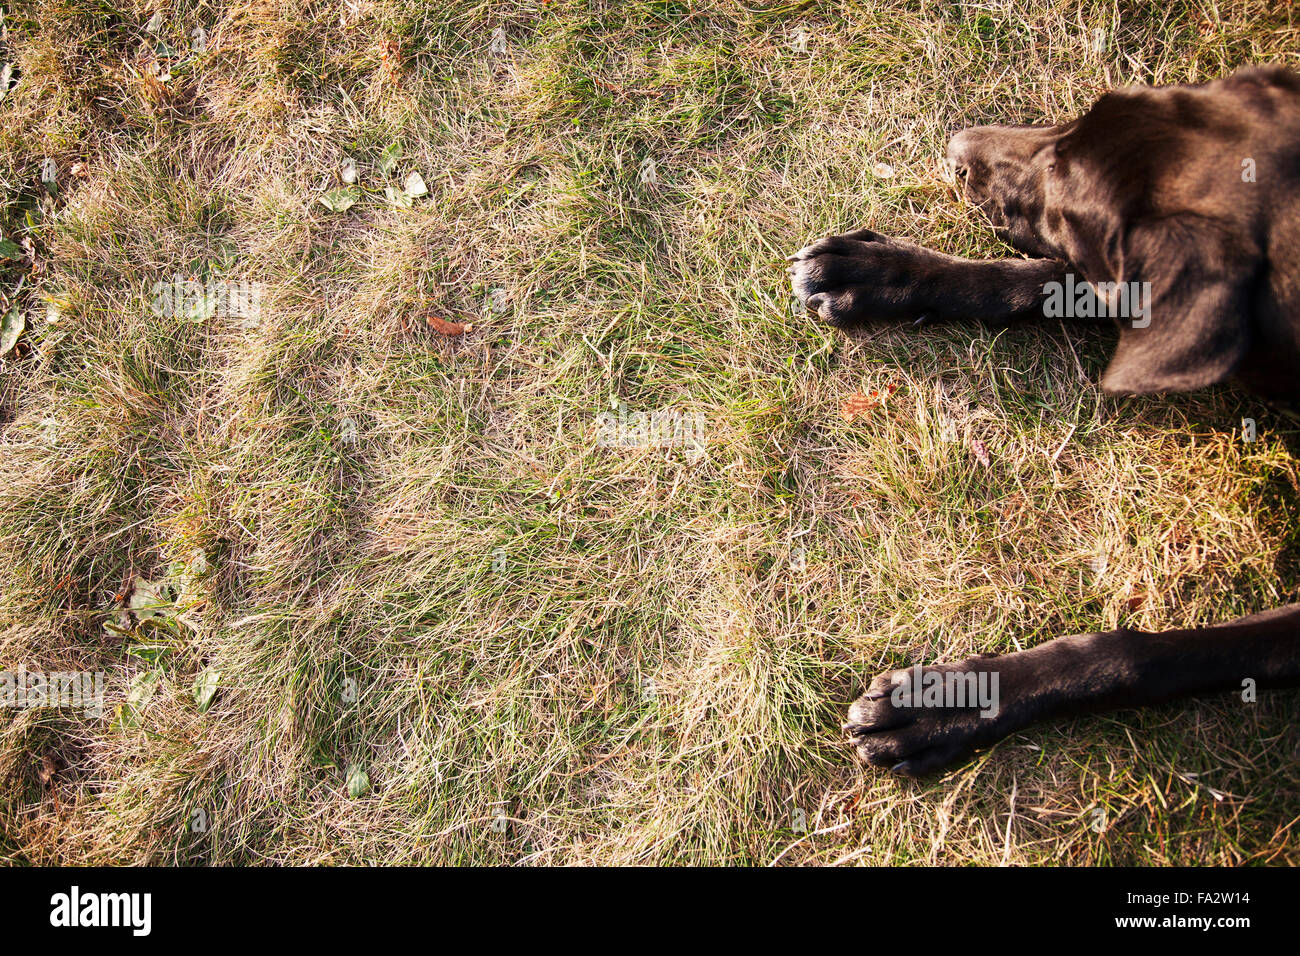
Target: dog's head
1148	187
1072	191
1069	191
1008	172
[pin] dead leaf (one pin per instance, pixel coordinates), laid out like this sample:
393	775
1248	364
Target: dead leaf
443	327
859	404
153	84
414	186
980	452
390	58
11	327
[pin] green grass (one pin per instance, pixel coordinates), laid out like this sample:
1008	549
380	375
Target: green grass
408	554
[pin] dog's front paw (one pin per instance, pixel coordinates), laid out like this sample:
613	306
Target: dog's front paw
858	276
920	720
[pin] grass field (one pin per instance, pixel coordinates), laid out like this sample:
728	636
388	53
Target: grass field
445	623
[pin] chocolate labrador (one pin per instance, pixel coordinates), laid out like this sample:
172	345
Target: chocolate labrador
1176	212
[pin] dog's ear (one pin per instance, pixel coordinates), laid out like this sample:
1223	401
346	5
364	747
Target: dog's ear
1191	327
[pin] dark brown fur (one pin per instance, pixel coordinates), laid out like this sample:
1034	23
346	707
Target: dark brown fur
1152	185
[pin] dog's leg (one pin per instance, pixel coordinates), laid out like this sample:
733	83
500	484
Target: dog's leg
971	704
863	275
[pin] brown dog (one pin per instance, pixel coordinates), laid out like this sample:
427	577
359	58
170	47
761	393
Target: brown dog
1174	210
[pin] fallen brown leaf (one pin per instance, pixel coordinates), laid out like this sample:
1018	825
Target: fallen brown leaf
859	404
390	55
443	327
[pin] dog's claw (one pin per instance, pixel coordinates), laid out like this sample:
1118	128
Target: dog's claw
925	319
